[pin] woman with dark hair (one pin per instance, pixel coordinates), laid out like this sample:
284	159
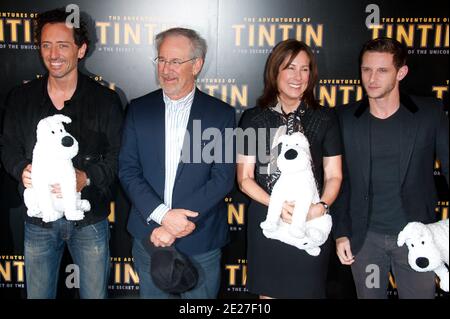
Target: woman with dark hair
287	105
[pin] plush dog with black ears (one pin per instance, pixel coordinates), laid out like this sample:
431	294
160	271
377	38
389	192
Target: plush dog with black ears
52	164
428	246
296	184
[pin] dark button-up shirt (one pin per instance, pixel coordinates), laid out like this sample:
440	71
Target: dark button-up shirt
96	114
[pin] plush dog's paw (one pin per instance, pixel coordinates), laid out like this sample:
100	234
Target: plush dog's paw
313	251
297	232
315	235
33	212
74	215
444	282
268	226
84	205
50	216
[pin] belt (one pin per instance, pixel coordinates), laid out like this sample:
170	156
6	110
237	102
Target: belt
39	222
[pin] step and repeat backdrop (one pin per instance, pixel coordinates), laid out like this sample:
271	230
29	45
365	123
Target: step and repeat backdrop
240	36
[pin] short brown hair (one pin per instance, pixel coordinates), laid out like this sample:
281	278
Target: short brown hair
287	48
386	45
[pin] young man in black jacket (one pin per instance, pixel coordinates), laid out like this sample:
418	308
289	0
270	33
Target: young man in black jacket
96	115
390	141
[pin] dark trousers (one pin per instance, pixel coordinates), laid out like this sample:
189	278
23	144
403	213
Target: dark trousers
379	255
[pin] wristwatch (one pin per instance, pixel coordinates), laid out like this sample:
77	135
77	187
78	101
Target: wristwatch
327	208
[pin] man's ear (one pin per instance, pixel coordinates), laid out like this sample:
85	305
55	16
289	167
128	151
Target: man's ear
197	67
402	72
82	51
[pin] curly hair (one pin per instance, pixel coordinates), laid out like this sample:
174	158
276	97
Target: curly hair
60	15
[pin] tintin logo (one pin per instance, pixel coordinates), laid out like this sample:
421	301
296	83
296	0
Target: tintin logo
228	90
237	276
112	213
16	31
440	90
266	32
12	271
124	275
103	82
236	214
392	285
423	33
442	209
129	31
333	92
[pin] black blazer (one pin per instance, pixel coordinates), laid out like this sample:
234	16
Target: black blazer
96	113
424	136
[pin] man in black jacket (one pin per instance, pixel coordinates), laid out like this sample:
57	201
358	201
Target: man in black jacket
96	115
391	141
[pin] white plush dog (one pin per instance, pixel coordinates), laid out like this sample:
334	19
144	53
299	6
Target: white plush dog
52	164
296	183
428	248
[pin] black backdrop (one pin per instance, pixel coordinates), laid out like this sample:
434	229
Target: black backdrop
240	35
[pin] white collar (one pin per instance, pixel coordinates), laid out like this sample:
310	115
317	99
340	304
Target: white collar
183	100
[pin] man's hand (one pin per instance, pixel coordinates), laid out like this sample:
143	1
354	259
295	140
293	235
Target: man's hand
81	179
288	210
81	183
26	176
56	189
160	237
344	251
176	222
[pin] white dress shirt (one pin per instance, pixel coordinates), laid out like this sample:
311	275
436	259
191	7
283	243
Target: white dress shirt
176	118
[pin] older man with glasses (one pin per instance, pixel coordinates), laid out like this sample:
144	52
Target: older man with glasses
176	202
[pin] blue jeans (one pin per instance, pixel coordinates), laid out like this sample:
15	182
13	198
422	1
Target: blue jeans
88	246
207	264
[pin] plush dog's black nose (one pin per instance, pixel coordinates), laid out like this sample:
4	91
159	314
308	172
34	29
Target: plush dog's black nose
422	262
291	154
67	141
